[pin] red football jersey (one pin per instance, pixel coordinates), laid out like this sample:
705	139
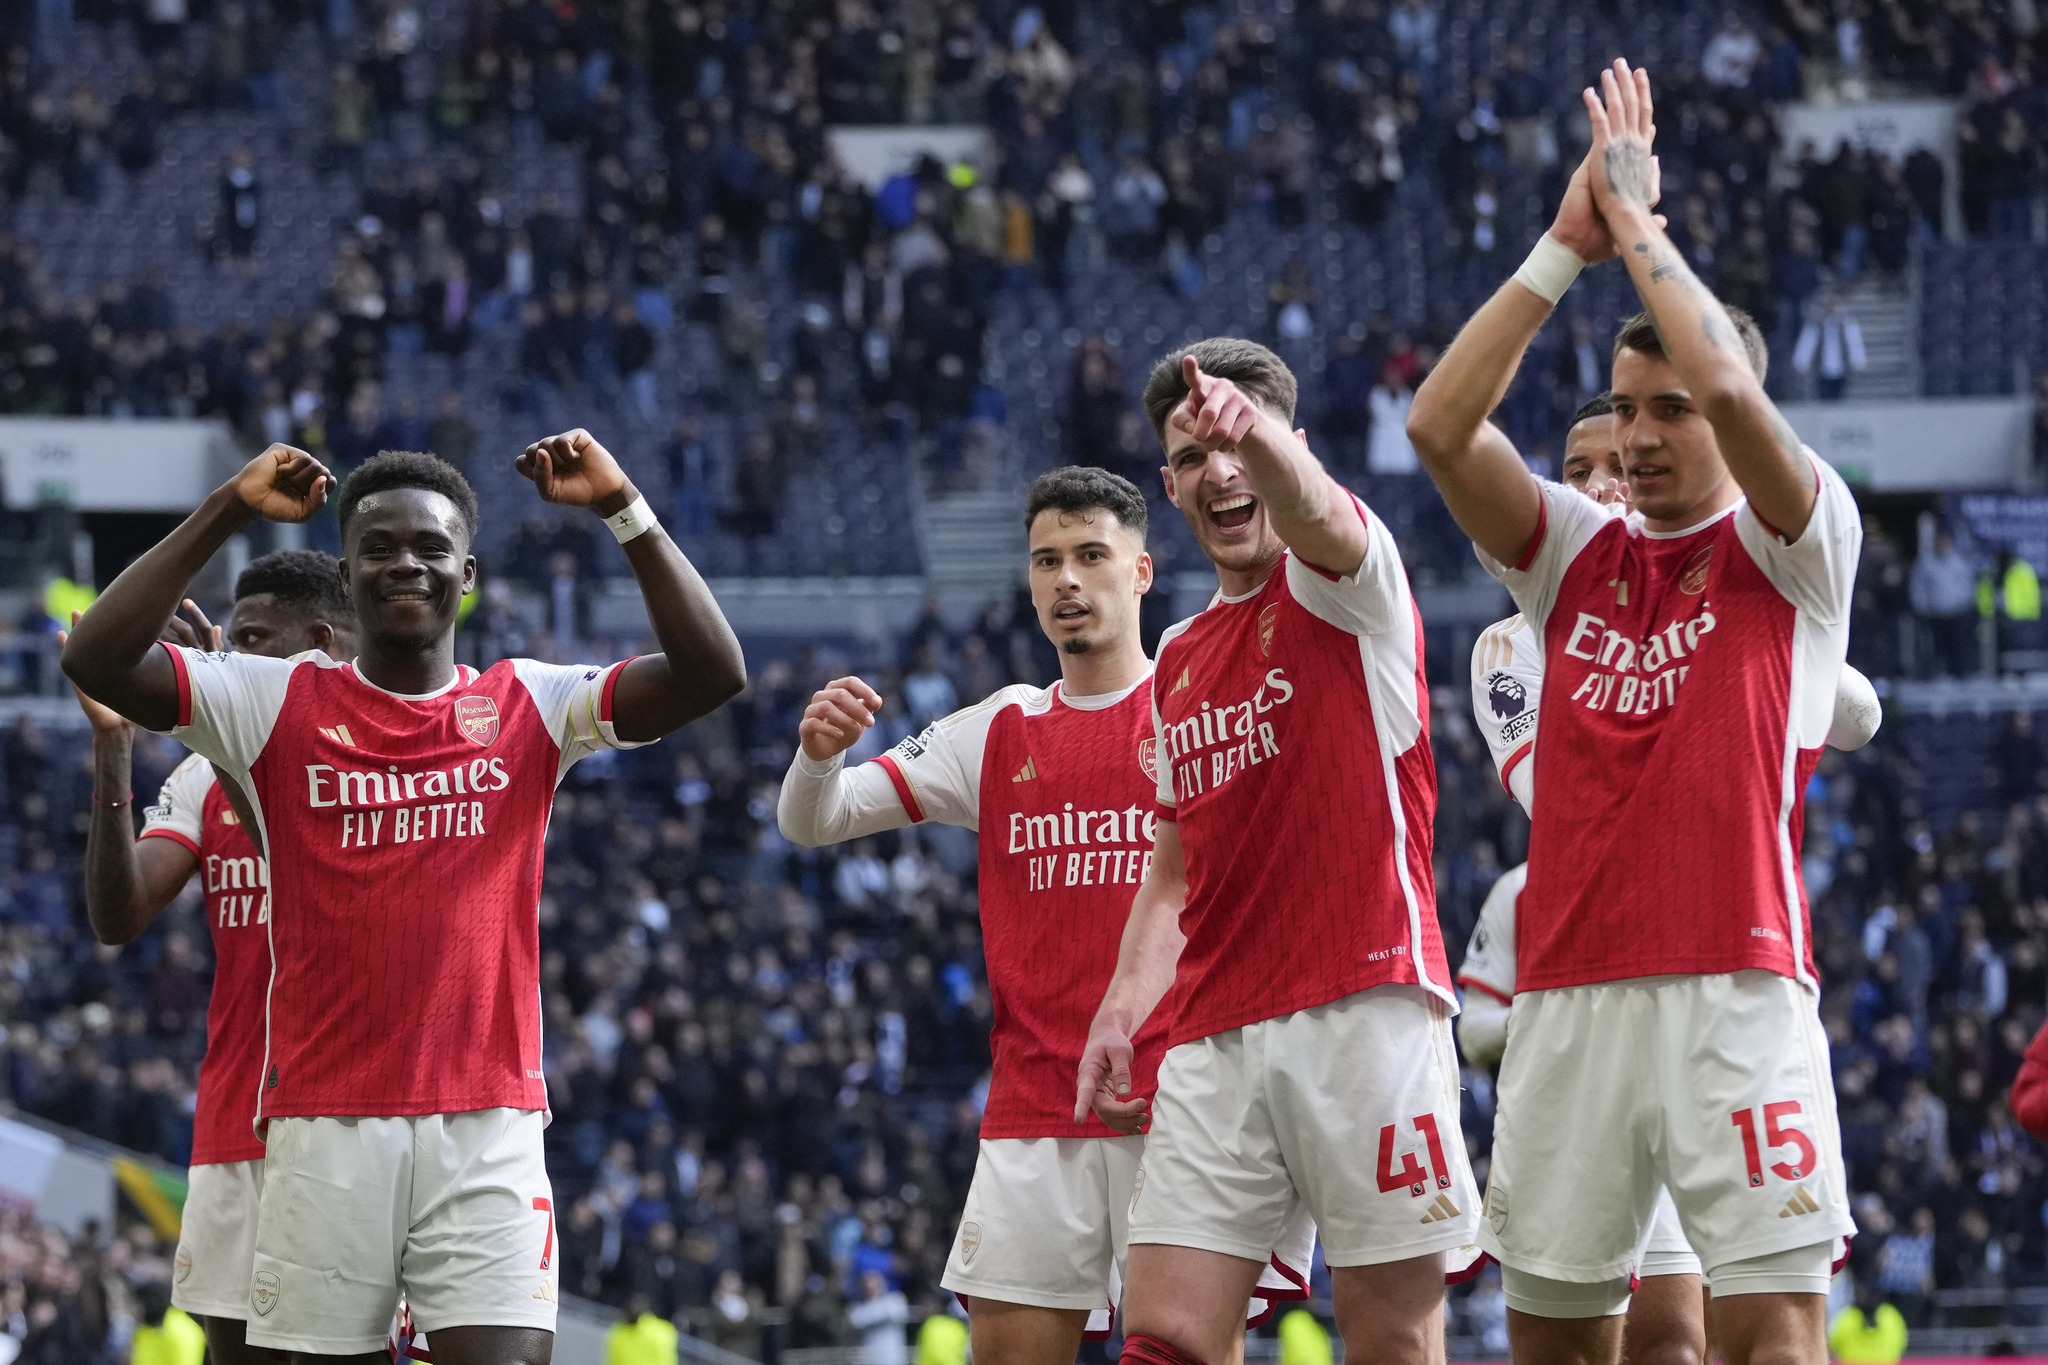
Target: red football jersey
404	926
193	810
1061	792
1293	728
1689	683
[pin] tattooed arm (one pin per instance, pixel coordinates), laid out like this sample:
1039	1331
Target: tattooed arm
1700	340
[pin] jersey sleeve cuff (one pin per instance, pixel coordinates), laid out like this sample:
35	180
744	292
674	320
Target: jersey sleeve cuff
165	832
1358	506
181	669
1514	760
904	793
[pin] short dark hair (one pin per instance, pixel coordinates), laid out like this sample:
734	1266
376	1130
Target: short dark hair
1640	333
1084	488
1247	364
306	581
1599	405
389	469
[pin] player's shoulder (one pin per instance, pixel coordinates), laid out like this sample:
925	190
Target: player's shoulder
1026	698
1510	883
1495	647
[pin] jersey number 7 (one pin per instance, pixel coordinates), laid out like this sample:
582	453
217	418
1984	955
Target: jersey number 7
1776	1136
1411	1174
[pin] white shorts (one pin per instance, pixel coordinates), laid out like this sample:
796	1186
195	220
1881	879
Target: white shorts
1665	1251
452	1210
1047	1224
1715	1087
1348	1111
217	1239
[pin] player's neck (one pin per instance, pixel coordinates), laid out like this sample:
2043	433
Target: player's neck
1244	582
1100	671
1724	495
407	669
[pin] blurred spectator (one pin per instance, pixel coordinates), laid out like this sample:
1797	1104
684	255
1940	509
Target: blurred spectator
879	1316
1731	54
641	1338
1389	451
450	434
1944	596
240	206
1835	339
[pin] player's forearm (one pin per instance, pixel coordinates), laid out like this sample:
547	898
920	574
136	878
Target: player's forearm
1147	958
1703	345
1308	510
701	667
113	882
1483	1028
1471	379
826	803
112	654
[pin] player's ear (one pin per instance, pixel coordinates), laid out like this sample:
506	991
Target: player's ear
1166	477
320	636
469	574
1144	572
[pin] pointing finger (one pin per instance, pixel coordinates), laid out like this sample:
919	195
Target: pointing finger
1191	374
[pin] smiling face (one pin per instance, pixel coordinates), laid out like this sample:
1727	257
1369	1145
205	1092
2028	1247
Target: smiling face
1668	452
1087	574
408	564
1212	493
1592	463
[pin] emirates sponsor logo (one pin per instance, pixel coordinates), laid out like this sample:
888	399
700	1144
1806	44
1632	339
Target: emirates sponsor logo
1646	674
477	719
1269	621
1148	757
1232	733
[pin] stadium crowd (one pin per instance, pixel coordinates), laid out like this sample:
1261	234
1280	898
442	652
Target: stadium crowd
765	1062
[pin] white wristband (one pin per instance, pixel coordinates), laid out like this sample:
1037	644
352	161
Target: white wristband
636	520
1550	269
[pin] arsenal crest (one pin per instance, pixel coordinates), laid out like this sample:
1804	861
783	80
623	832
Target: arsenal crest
1148	757
970	1242
263	1294
477	719
1693	580
1269	619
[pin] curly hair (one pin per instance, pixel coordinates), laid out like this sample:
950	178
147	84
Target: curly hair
389	469
1083	488
307	581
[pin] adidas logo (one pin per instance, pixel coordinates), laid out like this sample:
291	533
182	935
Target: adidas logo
1441	1210
1028	771
339	734
1180	682
1799	1205
546	1291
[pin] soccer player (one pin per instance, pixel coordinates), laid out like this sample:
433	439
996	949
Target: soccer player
1666	1313
285	603
1310	1063
1059	783
405	798
1691	651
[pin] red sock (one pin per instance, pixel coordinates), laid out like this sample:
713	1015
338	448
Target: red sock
1140	1349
